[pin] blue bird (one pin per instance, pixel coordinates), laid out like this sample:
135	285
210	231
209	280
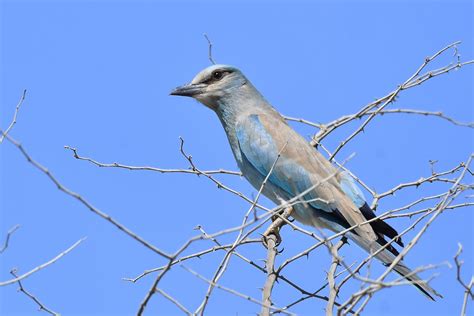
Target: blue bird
258	134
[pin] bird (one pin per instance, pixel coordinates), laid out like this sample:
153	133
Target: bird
265	147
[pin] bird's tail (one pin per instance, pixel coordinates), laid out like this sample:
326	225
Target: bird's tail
387	258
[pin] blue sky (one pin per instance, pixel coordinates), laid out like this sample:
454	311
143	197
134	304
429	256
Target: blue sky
98	75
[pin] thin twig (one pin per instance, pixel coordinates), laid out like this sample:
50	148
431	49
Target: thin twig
13	122
366	122
148	168
210	49
425	113
42	266
41	306
416	79
7	239
83	201
198	255
234	292
154	287
467	287
174	301
440	207
351	117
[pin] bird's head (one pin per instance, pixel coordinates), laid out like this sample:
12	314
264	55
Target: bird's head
212	85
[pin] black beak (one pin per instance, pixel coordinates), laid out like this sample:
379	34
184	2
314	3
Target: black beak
189	90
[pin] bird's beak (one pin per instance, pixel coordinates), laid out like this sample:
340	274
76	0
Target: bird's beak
189	90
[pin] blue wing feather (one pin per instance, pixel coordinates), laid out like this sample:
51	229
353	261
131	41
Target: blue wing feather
351	189
259	149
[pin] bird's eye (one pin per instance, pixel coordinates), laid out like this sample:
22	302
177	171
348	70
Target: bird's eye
217	75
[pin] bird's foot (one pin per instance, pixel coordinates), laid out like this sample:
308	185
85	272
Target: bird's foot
273	232
271	237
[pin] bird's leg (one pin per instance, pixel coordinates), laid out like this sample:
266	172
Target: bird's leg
273	231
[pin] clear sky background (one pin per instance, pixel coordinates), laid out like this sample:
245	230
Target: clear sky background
98	75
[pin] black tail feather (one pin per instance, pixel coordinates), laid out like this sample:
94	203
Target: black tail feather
379	226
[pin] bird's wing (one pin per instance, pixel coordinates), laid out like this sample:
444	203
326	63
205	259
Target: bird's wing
350	188
264	139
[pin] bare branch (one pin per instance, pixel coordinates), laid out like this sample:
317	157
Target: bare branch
352	117
367	121
234	292
41	306
375	108
435	212
433	178
7	239
466	296
17	109
303	298
210	49
174	301
218	183
78	197
198	255
44	265
147	168
467	287
304	121
441	115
